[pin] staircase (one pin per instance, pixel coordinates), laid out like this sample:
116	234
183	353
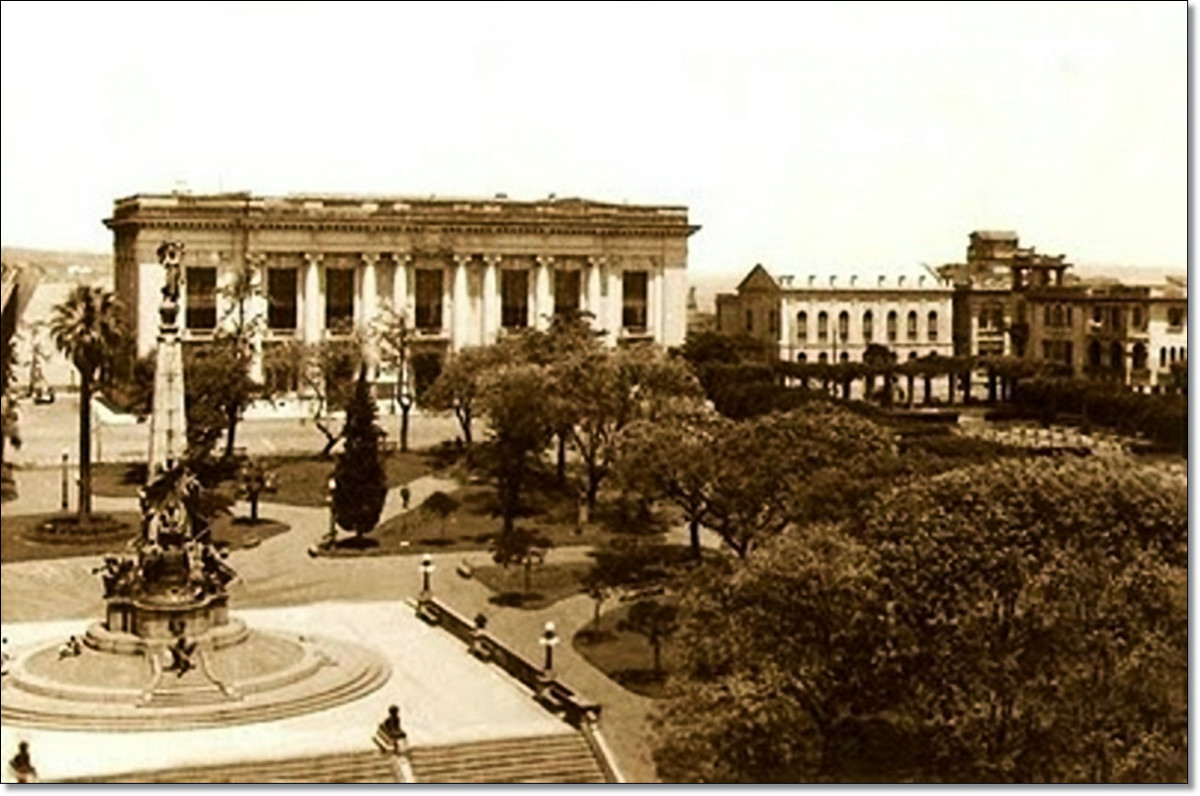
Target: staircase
349	767
564	758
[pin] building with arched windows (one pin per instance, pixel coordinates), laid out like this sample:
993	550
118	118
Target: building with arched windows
827	320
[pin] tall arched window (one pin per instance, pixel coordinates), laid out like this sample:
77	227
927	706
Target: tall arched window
1116	356
843	325
844	357
1058	315
749	320
1162	357
802	325
822	357
891	326
1172	353
802	357
1139	356
912	326
823	326
868	326
1047	316
931	331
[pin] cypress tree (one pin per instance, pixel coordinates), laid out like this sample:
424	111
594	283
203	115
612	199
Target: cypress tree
359	477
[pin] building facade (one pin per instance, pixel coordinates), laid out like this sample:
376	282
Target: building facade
825	320
1010	300
463	272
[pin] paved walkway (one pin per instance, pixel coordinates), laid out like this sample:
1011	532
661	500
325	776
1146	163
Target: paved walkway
279	572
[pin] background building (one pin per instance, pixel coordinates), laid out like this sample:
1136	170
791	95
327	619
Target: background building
463	271
827	320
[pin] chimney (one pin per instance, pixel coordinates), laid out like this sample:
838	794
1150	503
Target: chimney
812	280
900	281
921	280
785	281
853	280
881	279
832	280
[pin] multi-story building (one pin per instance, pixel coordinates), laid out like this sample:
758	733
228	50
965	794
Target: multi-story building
831	321
462	271
1013	301
1131	334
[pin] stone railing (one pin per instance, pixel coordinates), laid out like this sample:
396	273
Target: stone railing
551	692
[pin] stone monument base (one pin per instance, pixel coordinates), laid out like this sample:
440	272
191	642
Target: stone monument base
233	675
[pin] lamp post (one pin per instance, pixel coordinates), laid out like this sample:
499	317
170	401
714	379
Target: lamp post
332	485
426	568
65	479
549	641
403	388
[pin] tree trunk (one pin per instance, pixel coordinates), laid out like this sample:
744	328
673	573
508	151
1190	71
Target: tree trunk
694	530
528	574
846	389
928	390
562	460
870	386
953	377
911	383
966	381
85	446
254	507
593	486
232	418
657	645
596	614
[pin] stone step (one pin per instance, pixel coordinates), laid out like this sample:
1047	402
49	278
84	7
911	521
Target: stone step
238	712
349	767
563	758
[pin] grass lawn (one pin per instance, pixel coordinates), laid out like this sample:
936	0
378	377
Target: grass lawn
625	657
475	522
21	541
301	481
549	583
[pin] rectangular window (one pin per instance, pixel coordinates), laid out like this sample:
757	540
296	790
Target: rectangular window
339	299
514	299
634	300
749	320
281	299
202	299
567	286
429	289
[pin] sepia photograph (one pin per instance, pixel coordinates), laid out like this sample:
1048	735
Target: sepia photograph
595	393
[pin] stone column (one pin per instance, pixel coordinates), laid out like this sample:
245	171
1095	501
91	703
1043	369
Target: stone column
313	306
401	285
490	300
543	300
613	310
594	302
366	308
785	331
654	302
460	305
256	313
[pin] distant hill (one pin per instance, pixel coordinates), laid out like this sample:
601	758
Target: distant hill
61	266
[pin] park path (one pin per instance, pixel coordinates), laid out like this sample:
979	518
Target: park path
279	572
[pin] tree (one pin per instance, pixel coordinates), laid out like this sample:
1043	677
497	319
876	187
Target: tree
601	392
676	459
513	397
360	481
324	371
441	506
218	389
238	330
458	385
254	480
521	547
657	622
87	328
792	468
1023	621
597	586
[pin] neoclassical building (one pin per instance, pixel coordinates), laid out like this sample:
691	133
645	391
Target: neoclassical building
835	319
462	271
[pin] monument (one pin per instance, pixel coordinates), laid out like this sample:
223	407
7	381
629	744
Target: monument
168	654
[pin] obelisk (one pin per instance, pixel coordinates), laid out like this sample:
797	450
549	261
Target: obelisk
168	421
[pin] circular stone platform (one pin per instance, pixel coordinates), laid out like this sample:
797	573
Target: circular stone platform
253	676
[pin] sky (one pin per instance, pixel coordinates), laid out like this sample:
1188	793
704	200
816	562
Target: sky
814	138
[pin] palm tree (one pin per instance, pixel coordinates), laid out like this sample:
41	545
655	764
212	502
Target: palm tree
87	328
